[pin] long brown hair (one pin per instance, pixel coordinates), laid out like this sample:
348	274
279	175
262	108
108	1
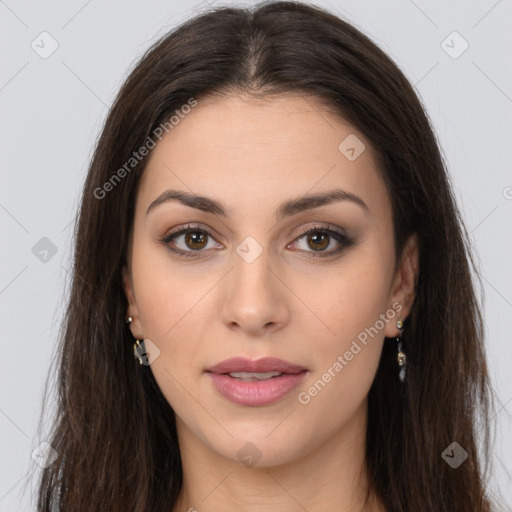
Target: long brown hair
113	430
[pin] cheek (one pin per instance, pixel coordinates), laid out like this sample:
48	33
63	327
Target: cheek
347	299
354	306
175	309
163	296
345	363
168	304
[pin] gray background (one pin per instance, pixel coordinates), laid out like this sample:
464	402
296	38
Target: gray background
52	110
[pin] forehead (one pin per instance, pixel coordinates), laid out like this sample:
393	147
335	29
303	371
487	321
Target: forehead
251	153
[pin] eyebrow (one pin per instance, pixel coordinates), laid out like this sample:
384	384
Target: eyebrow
286	209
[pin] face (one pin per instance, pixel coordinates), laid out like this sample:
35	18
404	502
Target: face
261	269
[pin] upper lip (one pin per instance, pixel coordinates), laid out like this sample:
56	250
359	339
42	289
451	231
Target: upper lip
266	364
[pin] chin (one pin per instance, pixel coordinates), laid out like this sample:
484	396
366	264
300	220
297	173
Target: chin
259	447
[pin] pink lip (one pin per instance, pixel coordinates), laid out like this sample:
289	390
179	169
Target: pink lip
255	393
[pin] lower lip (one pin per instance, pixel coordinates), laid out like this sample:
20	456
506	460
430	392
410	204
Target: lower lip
259	392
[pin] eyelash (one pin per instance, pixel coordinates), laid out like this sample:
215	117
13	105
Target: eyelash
340	237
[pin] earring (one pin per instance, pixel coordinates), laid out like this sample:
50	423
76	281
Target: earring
401	357
139	351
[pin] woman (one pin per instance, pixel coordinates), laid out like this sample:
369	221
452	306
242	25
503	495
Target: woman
272	305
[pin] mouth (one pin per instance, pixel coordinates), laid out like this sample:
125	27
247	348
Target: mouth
255	383
254	376
259	366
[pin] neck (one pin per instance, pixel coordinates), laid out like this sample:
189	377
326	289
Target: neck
330	477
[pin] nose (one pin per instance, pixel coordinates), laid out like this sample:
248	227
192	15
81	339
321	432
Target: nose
255	299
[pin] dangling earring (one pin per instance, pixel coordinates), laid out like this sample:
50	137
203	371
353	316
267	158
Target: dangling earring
139	351
401	357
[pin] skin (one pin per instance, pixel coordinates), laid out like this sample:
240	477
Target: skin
252	156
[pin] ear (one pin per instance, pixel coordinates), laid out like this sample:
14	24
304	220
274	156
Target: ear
403	289
133	311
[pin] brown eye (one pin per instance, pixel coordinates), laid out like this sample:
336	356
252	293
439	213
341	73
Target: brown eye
315	242
189	241
318	241
195	240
